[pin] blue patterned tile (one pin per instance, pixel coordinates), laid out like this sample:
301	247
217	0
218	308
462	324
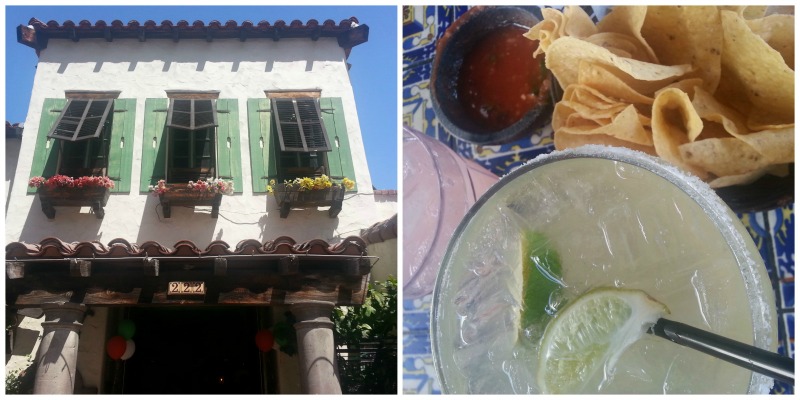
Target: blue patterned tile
782	222
755	223
787	293
419	376
445	16
418	68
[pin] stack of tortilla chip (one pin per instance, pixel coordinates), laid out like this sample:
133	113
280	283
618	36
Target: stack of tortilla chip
709	89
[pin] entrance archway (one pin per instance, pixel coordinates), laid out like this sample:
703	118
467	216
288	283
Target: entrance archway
193	350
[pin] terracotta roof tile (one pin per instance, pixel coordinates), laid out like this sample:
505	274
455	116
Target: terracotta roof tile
36	33
381	231
57	248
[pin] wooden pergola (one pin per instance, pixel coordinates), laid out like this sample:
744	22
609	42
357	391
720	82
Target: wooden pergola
62	279
279	272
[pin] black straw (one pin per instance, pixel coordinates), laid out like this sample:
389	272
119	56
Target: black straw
753	358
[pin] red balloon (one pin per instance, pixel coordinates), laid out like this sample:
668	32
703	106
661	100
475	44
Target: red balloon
264	340
116	347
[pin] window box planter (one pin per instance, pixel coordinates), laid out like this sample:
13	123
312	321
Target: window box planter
94	197
178	194
293	196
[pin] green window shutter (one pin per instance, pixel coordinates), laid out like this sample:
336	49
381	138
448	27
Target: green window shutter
154	153
340	159
120	152
229	154
45	155
262	148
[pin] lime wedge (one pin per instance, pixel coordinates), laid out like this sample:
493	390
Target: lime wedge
590	333
541	273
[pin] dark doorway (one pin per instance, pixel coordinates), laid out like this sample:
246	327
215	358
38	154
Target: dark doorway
196	350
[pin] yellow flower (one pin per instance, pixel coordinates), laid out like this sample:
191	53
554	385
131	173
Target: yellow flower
269	189
348	184
307	183
322	182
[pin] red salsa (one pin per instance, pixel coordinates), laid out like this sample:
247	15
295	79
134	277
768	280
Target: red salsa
500	81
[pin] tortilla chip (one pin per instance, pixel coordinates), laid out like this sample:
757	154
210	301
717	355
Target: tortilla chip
591	113
755	79
628	21
687	85
600	79
776	145
778	31
708	108
686	35
562	56
555	24
743	179
723	157
674	122
589	96
626	126
747	12
565	140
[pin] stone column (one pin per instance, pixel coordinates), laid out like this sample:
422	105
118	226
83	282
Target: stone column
58	351
318	374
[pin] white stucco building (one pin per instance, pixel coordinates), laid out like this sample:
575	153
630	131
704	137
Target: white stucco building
178	102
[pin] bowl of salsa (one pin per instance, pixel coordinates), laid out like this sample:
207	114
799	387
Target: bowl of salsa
487	87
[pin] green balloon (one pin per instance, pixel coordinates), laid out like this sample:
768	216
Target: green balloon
126	328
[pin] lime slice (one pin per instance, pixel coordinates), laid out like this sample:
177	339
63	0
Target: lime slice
541	273
590	333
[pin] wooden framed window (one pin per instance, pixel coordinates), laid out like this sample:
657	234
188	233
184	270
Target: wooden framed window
302	138
106	149
267	159
82	119
192	155
85	157
178	154
192	114
82	130
299	124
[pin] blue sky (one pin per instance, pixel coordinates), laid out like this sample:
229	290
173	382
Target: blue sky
373	72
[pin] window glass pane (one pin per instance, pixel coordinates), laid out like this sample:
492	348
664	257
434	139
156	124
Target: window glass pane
180	148
299	125
73	156
84	158
203	149
180	113
192	114
191	155
204	113
82	119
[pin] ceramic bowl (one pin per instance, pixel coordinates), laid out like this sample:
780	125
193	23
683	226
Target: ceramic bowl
456	44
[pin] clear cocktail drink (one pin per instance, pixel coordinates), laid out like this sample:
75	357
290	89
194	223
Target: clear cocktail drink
616	218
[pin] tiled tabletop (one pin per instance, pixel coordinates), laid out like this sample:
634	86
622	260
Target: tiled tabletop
772	231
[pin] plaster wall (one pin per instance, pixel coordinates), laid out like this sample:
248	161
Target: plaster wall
387	262
236	69
12	155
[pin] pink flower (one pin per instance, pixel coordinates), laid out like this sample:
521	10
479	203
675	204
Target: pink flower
36	181
63	181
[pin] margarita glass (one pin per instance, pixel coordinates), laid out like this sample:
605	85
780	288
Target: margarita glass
617	218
